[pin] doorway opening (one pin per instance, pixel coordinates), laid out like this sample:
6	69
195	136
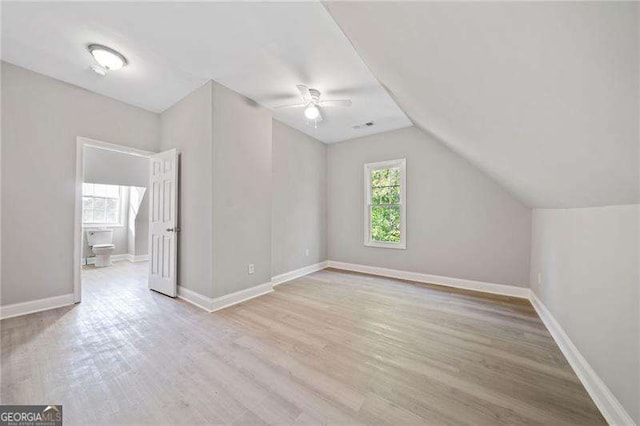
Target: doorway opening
111	239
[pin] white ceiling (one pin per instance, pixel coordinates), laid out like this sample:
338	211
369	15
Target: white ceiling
541	95
261	50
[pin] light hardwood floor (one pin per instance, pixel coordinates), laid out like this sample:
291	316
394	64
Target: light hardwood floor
331	347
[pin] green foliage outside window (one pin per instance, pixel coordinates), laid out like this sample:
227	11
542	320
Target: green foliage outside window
385	208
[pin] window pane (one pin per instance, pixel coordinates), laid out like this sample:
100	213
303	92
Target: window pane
385	177
112	210
112	218
99	216
385	195
99	208
385	186
394	176
87	216
380	177
87	203
385	223
99	203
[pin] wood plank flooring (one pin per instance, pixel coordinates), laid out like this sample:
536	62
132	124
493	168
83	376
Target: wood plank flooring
329	348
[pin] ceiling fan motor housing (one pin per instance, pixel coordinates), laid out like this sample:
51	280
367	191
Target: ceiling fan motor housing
315	95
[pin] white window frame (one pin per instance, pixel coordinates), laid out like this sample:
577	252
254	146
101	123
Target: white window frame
368	168
118	224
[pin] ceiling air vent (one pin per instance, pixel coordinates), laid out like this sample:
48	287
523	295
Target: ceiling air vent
364	125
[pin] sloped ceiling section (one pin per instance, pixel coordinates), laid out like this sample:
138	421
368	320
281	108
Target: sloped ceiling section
261	50
542	96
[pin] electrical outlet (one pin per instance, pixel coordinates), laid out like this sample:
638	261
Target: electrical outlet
251	269
539	277
306	252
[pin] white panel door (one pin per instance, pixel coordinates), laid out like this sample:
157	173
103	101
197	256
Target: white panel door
163	222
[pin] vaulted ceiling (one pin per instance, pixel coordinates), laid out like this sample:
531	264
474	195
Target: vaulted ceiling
541	95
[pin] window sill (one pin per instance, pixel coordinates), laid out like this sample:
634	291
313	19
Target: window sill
380	244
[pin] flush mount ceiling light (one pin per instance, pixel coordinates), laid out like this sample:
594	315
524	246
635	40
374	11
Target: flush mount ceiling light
99	70
108	58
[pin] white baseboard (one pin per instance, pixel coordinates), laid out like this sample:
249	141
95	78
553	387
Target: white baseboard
240	296
24	308
501	289
215	304
292	275
118	257
114	258
195	298
606	402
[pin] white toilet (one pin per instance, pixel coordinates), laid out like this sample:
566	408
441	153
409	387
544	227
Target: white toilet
101	245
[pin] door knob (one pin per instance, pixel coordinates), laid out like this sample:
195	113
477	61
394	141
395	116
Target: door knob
173	229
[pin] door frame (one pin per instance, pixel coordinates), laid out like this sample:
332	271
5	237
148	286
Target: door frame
81	143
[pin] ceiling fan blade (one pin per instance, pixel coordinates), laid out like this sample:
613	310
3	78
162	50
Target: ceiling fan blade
336	103
304	92
290	106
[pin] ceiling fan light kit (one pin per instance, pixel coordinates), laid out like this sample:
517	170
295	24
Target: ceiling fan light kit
311	112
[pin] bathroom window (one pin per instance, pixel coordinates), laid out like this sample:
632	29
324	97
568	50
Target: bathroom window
385	204
100	205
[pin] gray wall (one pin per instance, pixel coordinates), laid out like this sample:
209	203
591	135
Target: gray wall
241	192
141	240
115	168
588	264
41	119
188	126
225	142
299	200
460	223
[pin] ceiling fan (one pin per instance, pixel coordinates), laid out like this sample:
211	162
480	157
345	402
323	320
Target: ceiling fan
311	102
